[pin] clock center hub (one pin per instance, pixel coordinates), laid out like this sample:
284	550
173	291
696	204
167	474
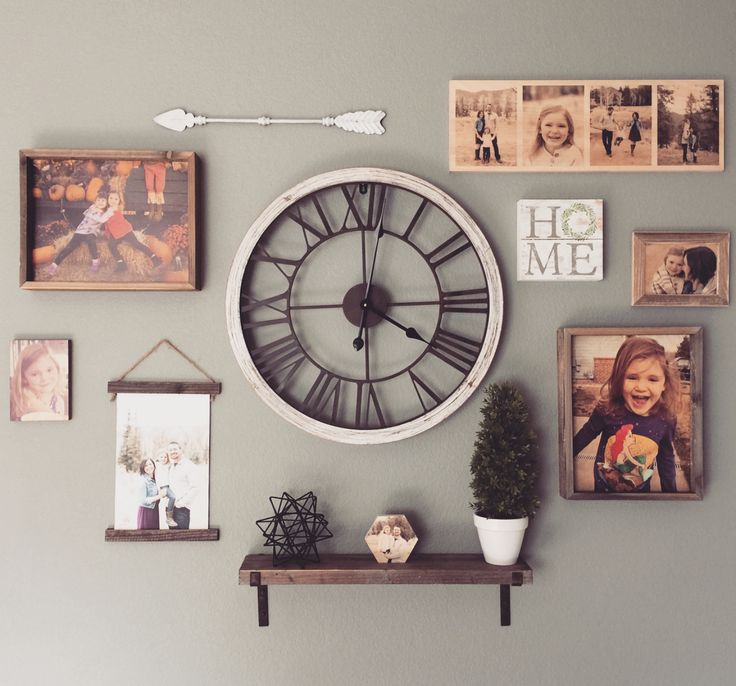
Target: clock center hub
352	304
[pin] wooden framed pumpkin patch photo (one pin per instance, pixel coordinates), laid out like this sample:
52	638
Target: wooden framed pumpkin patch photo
108	220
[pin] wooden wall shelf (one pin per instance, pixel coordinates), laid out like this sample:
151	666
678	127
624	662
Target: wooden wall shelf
159	535
258	571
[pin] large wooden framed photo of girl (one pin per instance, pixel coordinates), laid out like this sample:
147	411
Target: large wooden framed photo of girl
680	268
108	220
630	414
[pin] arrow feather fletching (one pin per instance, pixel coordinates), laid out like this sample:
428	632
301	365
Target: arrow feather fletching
361	122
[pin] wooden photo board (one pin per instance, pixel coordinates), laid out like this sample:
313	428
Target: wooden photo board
586	125
559	240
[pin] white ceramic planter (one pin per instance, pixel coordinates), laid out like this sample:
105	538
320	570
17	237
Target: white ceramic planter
500	539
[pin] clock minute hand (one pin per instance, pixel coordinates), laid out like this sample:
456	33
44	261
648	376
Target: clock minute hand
358	341
410	331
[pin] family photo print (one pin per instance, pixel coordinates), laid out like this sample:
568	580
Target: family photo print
630	414
391	538
584	125
107	220
162	461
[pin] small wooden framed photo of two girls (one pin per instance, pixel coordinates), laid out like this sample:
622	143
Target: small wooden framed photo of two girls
630	413
108	220
680	269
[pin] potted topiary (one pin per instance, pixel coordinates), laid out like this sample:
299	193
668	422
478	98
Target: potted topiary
504	473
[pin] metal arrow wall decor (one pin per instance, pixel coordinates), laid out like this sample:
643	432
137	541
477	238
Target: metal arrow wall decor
368	121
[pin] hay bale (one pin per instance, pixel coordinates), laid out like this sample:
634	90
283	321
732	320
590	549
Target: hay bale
76	267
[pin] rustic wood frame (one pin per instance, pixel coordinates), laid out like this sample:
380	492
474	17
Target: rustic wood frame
639	285
565	419
27	224
584	133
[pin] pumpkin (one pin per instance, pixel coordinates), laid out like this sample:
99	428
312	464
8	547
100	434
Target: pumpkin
90	166
74	192
37	193
93	188
159	248
43	255
57	191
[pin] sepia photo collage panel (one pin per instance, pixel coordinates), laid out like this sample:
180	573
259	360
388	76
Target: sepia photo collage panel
627	125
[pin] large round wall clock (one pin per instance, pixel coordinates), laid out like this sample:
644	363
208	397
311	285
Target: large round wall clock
364	305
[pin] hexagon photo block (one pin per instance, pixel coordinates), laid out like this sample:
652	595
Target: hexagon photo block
391	538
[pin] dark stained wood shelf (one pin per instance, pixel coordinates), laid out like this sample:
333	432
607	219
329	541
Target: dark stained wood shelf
162	534
258	571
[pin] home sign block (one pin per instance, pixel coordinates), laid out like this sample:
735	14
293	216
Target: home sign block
559	240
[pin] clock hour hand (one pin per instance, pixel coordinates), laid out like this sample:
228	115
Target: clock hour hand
410	331
358	340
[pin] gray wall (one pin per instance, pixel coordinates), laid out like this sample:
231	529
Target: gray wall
623	592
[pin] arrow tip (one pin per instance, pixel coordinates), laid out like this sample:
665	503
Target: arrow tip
175	120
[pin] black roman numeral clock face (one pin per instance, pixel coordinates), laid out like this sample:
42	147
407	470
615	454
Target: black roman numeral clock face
364	305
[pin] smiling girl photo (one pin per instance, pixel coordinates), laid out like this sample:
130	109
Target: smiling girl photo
552	117
631	420
635	418
39	385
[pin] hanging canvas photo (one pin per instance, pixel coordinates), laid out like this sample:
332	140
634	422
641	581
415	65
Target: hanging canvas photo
586	125
162	461
630	415
559	240
680	268
108	220
39	380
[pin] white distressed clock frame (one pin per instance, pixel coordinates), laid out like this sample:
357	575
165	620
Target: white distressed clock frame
490	271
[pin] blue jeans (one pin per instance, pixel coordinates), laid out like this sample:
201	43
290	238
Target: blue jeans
168	493
181	517
607	137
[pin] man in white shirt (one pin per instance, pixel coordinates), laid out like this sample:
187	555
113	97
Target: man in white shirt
608	125
183	480
399	547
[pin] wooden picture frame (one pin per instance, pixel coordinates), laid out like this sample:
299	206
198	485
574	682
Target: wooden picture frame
653	451
144	238
660	269
679	125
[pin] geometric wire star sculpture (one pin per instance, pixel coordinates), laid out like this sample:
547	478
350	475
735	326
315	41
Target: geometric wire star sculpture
295	528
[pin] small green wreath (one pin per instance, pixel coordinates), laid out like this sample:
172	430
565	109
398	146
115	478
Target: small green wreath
575	208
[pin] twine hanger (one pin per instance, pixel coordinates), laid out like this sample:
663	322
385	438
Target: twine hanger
213	392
